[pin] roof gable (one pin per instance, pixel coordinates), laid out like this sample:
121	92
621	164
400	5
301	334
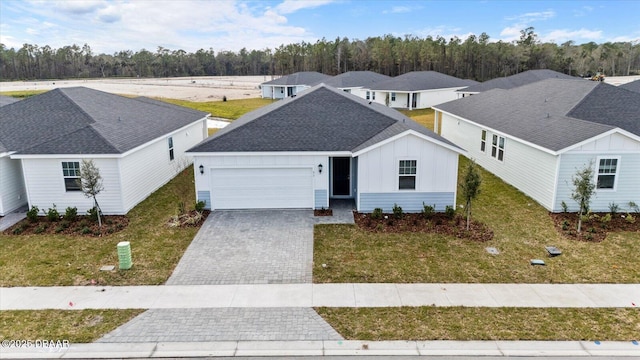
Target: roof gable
309	78
422	80
320	119
111	124
513	81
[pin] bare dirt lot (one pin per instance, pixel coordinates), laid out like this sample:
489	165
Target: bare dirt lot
199	88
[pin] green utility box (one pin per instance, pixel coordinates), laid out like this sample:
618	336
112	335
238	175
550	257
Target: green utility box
124	255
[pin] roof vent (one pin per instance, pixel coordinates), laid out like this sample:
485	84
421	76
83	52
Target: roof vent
547	115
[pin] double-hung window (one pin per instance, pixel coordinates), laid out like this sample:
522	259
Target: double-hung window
170	143
71	175
407	174
497	147
368	95
483	141
607	171
393	96
373	95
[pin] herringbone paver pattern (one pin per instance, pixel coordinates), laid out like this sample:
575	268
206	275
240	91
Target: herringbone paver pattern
222	324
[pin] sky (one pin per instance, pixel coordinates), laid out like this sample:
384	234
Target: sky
111	26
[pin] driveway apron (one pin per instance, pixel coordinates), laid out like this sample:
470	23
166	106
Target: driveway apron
249	247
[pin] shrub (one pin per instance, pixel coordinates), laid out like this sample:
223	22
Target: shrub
93	214
397	211
606	219
53	214
630	219
564	206
449	211
427	210
32	214
40	229
633	206
613	208
71	213
201	204
182	209
85	230
18	230
376	214
565	225
591	230
224	98
379	227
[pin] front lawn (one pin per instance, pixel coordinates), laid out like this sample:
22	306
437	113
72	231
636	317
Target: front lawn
231	109
521	228
47	260
463	323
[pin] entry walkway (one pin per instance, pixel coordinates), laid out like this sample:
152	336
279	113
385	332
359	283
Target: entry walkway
330	295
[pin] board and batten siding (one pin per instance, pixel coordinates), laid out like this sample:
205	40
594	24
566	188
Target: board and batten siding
436	178
12	191
530	170
627	187
146	169
283	160
45	185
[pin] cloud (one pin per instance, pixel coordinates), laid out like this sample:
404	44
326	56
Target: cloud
80	7
446	32
291	6
560	36
532	16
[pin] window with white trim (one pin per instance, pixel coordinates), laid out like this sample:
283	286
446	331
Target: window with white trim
170	143
497	147
483	141
393	96
71	175
373	95
607	171
407	174
368	95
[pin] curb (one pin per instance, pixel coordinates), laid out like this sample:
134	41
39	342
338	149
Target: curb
329	348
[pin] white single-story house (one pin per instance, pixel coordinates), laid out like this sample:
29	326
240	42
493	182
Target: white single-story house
536	137
416	90
137	144
6	100
325	144
513	81
291	85
356	82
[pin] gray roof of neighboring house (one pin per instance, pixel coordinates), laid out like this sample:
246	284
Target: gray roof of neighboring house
6	100
516	80
80	120
422	80
632	86
309	78
352	79
553	113
323	118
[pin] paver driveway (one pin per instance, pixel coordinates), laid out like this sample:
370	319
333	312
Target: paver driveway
249	247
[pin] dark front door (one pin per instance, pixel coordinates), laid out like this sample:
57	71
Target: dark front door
341	176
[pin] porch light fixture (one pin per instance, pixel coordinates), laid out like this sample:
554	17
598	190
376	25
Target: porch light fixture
201	169
319	168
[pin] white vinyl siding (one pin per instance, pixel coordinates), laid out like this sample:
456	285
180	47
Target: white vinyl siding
12	191
530	170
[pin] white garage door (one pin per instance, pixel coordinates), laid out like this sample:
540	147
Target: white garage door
261	188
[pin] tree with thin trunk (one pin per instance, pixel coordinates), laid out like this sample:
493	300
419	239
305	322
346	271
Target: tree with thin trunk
584	187
91	183
470	187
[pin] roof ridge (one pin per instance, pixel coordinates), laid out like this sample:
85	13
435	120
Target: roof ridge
61	90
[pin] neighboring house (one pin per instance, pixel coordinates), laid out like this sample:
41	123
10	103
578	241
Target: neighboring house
325	144
535	137
6	100
138	145
356	82
291	85
513	81
416	90
632	86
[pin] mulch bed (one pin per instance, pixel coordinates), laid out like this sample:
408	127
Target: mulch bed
323	212
596	227
82	226
438	223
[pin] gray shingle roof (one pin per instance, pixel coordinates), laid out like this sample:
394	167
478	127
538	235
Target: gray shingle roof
553	113
321	119
421	80
632	86
6	100
352	79
85	121
309	78
516	80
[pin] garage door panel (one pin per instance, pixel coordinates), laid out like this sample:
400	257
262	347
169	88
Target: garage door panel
256	188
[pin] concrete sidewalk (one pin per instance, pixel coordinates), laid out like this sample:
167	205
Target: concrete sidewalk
330	295
331	348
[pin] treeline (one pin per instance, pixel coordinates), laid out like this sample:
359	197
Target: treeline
473	58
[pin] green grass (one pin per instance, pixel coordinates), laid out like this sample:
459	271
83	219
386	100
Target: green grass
22	93
231	109
75	326
422	116
521	230
46	260
462	323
